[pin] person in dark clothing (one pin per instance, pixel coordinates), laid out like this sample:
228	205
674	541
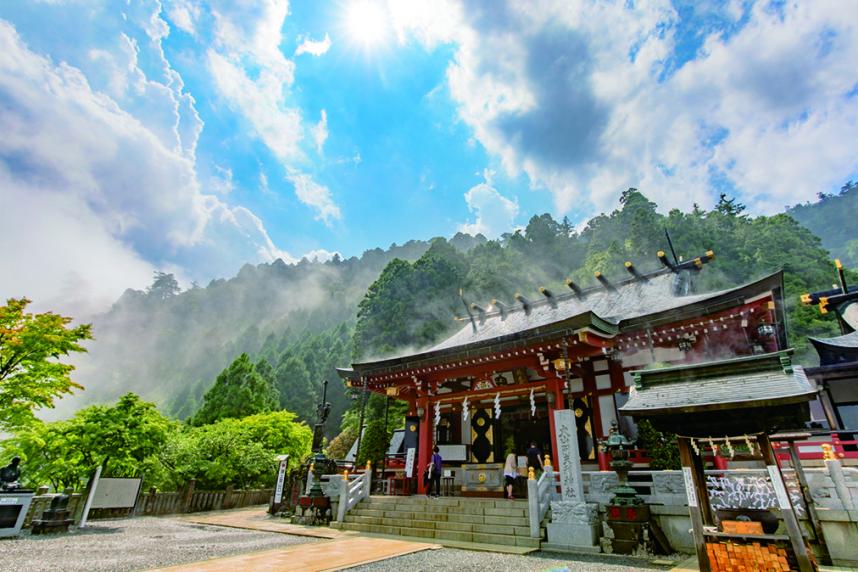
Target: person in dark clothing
534	457
436	472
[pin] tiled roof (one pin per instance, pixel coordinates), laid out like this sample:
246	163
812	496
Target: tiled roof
726	384
848	341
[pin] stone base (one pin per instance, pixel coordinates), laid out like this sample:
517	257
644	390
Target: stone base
574	535
566	549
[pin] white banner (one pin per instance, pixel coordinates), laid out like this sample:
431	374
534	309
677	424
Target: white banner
409	462
281	477
690	492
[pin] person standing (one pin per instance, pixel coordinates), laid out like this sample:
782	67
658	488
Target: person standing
509	474
534	458
436	472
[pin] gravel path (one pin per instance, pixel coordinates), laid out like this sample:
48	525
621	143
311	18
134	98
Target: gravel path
133	544
465	560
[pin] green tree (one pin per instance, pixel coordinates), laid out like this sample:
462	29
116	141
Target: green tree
122	439
238	452
239	391
31	375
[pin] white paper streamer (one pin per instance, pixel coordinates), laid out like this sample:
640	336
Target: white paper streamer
532	404
437	413
465	410
497	406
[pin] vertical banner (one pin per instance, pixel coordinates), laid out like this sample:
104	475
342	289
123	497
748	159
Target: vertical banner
281	477
409	462
690	492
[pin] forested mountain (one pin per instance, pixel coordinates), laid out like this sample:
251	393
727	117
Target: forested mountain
832	219
298	322
169	345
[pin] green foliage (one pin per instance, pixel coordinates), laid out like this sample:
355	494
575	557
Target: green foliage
121	439
377	435
339	446
239	391
237	452
661	447
132	438
832	218
31	375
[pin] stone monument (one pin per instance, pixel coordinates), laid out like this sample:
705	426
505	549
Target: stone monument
574	523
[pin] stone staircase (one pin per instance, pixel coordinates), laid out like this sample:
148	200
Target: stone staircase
446	520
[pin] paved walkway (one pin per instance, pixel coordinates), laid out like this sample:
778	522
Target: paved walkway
255	518
316	557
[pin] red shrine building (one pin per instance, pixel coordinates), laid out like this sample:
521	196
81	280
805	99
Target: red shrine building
491	387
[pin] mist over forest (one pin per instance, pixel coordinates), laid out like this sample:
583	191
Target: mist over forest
298	322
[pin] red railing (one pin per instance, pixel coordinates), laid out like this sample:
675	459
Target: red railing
811	450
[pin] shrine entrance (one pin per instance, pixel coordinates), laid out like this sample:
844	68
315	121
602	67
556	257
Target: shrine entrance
517	429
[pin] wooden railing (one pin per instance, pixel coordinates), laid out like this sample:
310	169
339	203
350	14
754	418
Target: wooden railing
540	493
354	490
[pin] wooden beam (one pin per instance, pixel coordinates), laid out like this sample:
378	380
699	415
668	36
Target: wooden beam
689	470
785	504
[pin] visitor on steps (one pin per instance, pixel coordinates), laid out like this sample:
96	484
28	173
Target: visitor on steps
534	458
436	473
509	474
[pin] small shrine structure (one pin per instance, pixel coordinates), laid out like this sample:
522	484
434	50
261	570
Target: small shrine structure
492	387
731	404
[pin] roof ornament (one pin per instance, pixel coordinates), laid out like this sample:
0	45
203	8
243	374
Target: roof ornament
634	271
524	302
480	311
575	288
604	281
468	310
501	308
548	296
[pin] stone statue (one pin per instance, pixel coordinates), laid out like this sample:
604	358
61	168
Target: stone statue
9	476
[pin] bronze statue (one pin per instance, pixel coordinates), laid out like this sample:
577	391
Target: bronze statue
10	474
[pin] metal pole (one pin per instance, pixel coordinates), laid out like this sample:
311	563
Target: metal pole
362	413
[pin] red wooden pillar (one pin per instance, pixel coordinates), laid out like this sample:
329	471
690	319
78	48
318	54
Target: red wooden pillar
555	388
424	449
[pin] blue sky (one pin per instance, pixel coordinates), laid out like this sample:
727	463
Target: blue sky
193	137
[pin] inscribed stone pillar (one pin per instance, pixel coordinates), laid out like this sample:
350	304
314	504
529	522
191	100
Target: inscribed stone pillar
568	460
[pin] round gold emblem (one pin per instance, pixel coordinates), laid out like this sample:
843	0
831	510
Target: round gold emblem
482	477
579	412
481	421
412	428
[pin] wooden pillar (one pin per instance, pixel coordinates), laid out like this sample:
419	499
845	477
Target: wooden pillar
692	486
785	504
424	447
555	389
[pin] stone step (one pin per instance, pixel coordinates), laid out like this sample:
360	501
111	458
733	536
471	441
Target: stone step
447	501
443	535
481	528
442	517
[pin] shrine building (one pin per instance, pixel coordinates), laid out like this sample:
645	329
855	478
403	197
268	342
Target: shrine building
491	387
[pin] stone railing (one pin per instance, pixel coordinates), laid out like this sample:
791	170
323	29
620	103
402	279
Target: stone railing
352	492
540	493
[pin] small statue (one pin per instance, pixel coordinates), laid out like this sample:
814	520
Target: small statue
9	475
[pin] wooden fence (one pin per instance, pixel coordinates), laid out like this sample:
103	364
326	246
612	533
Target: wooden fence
154	503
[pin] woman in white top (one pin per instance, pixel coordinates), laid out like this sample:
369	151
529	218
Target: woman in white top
509	474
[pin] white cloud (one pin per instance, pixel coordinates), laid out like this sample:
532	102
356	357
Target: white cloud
586	98
184	15
314	47
96	197
316	196
320	131
221	183
495	214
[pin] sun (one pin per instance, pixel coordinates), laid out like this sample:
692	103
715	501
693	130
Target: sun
367	23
